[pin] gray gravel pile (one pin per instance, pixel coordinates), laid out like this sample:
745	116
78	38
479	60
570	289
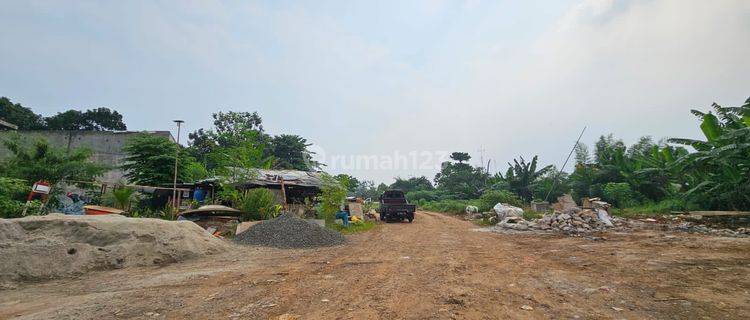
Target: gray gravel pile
287	231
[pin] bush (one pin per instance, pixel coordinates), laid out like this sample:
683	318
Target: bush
656	208
419	195
449	206
491	197
619	194
332	196
12	197
258	204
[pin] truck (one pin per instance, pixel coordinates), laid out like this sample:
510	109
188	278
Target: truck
395	207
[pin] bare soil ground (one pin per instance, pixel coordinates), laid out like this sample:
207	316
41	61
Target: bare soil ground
438	267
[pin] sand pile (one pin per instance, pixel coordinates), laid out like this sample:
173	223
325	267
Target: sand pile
45	247
287	231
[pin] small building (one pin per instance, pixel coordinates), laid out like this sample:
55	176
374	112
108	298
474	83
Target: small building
295	189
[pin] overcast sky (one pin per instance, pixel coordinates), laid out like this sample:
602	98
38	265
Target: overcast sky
376	79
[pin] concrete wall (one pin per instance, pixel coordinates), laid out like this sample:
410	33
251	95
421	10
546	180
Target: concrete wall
107	146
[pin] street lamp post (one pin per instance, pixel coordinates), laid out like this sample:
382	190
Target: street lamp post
176	156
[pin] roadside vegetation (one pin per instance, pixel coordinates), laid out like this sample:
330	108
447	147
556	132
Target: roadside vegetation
646	178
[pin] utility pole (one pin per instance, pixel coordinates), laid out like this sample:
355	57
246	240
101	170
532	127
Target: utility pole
554	181
176	156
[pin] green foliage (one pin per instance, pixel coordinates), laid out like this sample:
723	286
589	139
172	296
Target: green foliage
522	176
122	197
290	152
717	175
150	160
99	119
19	115
460	156
258	204
449	206
332	196
423	195
492	197
232	132
412	184
619	194
12	196
460	180
354	227
665	206
237	162
41	161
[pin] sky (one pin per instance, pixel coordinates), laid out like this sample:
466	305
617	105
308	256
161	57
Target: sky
388	88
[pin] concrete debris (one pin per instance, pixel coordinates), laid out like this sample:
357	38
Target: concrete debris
287	231
570	220
565	203
504	210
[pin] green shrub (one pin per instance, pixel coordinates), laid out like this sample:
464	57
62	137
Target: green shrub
258	204
12	197
332	196
419	195
492	197
656	208
449	206
619	194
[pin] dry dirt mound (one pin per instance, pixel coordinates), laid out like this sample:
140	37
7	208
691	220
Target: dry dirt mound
53	246
287	231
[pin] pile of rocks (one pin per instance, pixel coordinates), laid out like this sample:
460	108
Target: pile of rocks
574	220
567	218
287	231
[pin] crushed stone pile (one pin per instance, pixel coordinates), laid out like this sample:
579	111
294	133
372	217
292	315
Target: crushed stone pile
39	248
287	231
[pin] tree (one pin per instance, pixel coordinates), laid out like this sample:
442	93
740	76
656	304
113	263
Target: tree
231	129
460	156
150	160
460	180
290	152
351	183
717	175
42	161
412	184
522	177
582	153
100	119
19	115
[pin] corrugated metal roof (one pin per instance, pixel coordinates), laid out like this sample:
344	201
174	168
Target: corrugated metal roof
265	177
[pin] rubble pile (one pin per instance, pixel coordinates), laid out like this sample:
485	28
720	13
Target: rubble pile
575	220
567	217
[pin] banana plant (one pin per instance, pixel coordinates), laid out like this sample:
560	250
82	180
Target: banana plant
717	175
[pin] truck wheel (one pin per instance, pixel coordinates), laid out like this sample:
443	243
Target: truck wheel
411	219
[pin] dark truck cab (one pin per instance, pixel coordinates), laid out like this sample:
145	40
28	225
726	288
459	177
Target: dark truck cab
394	206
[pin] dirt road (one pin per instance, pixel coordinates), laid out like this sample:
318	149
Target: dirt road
439	267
